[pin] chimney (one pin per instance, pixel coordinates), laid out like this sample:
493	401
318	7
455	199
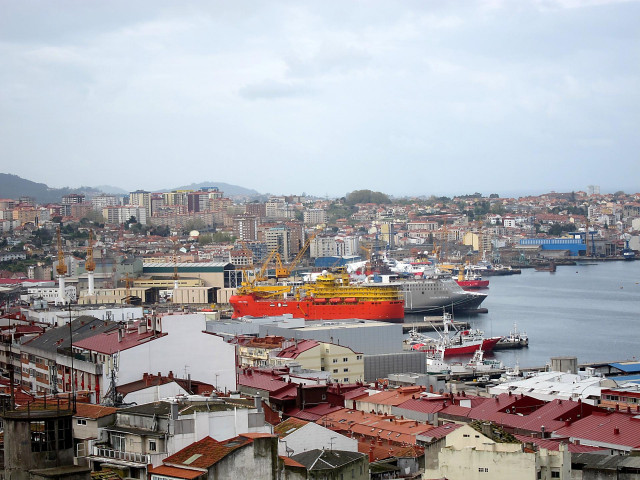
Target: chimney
486	429
616	431
145	378
542	432
257	402
170	374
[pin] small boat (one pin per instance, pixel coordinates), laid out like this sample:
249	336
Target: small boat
515	339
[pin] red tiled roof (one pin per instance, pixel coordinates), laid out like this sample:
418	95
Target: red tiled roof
262	381
456	411
288	392
88	410
424	404
614	428
312	414
384	451
500	404
441	431
107	343
176	472
294	350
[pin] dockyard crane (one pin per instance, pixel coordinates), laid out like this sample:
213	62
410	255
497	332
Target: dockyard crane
284	272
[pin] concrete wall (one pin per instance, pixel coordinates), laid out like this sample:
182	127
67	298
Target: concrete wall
257	460
208	358
380	366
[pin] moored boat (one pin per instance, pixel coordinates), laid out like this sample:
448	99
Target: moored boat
460	342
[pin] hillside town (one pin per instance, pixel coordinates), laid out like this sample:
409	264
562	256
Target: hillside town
126	352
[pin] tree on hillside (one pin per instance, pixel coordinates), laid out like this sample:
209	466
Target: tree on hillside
366	196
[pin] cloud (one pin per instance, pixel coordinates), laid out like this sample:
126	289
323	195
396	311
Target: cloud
271	90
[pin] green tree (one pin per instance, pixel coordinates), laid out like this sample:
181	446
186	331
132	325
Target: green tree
366	196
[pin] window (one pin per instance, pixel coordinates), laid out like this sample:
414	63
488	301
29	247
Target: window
335	360
555	474
358	357
345	359
335	370
483	469
345	369
152	445
118	443
81	421
345	379
466	435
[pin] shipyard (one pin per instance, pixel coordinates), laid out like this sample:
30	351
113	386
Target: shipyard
319	240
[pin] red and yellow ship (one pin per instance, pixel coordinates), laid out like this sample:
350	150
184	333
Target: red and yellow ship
330	297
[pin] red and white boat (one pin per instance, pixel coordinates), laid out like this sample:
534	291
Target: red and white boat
453	341
470	280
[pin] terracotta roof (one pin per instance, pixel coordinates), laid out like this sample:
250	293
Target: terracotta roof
383	451
208	452
176	472
369	425
312	414
88	410
290	462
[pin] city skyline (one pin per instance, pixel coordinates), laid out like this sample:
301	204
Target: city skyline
324	98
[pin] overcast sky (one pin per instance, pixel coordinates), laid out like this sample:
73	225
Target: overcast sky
325	97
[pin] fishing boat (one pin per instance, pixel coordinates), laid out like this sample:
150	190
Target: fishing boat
515	339
454	341
330	296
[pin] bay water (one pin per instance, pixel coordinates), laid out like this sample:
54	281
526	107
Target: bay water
590	310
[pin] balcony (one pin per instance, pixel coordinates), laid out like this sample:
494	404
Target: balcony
130	459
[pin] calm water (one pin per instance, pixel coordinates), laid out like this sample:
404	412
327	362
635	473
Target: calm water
591	311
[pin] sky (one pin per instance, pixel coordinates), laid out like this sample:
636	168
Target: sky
323	97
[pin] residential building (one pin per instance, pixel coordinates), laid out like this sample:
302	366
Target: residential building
119	215
487	452
314	216
99	202
245	227
246	456
343	364
141	198
297	436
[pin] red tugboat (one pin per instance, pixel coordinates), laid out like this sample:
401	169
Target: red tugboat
470	281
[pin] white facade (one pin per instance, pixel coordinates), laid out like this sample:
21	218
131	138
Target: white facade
120	214
102	201
50	294
186	349
313	436
154	393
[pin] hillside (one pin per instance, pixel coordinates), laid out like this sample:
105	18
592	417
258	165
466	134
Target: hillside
13	186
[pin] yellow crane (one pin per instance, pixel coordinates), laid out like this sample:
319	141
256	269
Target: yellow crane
284	272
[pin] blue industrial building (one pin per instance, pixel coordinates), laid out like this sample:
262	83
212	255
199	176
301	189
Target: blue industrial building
575	246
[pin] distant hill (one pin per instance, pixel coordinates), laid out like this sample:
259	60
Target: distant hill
229	190
111	189
13	186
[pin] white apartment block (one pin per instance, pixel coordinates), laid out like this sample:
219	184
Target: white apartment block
120	214
102	201
142	199
323	247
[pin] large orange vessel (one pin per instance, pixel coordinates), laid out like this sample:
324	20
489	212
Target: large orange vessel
330	297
